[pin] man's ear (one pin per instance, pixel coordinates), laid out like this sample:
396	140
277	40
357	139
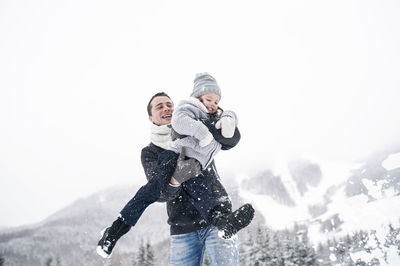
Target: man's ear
151	118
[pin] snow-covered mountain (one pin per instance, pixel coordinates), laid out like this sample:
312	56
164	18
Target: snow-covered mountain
367	199
330	200
71	235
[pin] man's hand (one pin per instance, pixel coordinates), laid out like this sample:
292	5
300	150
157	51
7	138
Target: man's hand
174	183
186	169
227	125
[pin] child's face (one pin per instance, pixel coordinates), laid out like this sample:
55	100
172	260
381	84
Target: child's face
210	101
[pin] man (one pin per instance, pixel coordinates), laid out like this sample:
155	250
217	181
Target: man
191	235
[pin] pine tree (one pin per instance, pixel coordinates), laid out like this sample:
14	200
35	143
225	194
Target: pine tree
310	257
277	248
141	257
342	253
288	255
348	242
266	247
393	238
133	261
322	252
259	247
109	261
144	256
149	255
58	261
247	251
276	255
49	261
242	254
1	260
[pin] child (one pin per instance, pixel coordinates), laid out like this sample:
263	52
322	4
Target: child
202	129
211	209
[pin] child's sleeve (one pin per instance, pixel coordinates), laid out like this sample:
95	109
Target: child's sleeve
184	122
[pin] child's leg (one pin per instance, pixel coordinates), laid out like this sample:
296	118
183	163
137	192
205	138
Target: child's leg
130	214
150	192
132	211
145	196
214	211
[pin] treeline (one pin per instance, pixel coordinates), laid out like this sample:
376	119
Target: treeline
270	248
264	247
293	247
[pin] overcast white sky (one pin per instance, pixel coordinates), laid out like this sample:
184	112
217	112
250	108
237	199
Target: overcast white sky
308	77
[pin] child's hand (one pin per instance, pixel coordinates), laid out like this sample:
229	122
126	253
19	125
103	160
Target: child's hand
227	125
207	140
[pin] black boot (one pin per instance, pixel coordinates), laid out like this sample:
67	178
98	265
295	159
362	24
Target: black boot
110	236
230	223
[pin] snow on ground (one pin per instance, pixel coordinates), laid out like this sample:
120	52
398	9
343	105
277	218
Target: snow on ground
333	173
277	216
357	213
392	162
375	246
378	252
392	256
375	189
365	256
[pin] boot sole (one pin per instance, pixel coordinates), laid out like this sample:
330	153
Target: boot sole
99	250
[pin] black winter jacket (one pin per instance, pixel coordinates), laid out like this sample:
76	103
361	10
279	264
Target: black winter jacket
182	215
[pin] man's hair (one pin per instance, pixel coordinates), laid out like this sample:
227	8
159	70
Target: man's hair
154	96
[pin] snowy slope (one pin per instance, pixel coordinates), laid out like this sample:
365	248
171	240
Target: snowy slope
279	216
392	162
347	197
356	213
366	197
71	234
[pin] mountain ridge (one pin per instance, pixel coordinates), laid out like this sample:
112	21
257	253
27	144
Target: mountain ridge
70	235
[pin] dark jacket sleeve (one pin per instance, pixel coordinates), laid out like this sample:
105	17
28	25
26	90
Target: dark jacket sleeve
160	165
227	143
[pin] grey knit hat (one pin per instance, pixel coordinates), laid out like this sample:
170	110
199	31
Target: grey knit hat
205	83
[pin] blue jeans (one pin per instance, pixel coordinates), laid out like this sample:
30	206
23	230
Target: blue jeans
188	249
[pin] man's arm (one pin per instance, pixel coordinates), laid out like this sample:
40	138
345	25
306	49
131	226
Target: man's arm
153	168
227	143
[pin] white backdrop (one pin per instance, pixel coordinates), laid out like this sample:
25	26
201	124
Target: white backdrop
318	79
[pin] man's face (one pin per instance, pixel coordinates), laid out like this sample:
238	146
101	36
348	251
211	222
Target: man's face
161	110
